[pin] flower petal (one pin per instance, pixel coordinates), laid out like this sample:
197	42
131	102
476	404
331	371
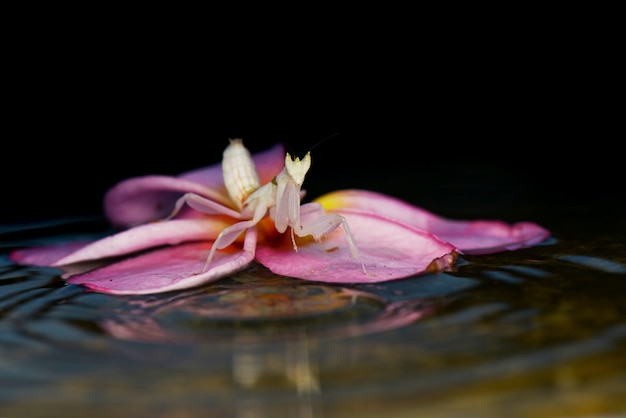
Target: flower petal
143	199
148	236
131	240
471	237
45	255
389	250
172	268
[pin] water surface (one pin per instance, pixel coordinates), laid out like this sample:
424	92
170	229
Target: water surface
534	332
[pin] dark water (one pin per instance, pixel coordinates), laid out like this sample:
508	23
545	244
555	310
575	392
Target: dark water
534	332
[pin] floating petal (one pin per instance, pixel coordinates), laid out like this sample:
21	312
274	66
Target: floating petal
171	268
389	250
471	237
148	198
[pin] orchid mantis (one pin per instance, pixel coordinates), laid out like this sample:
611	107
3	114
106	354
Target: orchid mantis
280	198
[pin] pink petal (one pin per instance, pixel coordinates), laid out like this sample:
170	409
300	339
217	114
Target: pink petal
389	249
143	199
45	255
149	198
488	237
131	240
147	236
171	268
471	237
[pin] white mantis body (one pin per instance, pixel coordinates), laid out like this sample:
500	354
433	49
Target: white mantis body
280	198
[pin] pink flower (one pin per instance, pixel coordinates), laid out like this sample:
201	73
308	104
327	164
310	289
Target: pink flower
156	252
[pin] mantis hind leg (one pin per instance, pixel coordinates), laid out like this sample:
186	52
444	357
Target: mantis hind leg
322	224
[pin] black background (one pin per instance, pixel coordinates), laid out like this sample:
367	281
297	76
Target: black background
443	105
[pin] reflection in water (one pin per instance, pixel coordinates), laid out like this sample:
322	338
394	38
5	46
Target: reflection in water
270	324
258	306
538	332
295	366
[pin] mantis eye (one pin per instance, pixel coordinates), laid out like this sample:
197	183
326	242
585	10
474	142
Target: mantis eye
297	168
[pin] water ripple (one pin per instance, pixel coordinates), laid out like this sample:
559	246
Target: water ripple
596	263
498	325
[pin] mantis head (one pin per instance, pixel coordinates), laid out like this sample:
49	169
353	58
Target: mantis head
297	168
